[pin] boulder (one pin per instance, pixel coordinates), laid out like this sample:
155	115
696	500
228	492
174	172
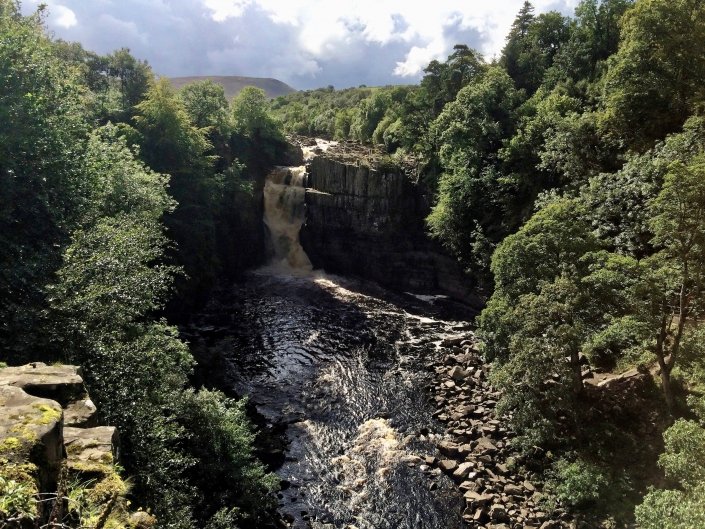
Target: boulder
463	470
91	450
448	465
513	490
498	513
31	431
142	520
485	445
478	499
458	374
449	448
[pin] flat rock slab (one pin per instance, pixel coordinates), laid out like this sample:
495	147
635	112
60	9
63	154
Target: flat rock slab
63	384
91	450
31	431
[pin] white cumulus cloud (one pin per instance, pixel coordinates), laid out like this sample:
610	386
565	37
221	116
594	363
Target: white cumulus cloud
63	16
307	43
225	9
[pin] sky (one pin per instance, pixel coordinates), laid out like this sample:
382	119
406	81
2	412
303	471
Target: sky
305	43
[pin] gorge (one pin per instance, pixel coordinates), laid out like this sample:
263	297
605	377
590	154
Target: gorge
379	399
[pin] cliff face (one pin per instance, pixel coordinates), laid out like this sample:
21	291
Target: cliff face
370	222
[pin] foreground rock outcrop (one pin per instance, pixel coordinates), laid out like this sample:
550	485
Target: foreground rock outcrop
56	465
369	221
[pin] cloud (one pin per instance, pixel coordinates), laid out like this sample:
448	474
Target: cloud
307	43
64	17
225	9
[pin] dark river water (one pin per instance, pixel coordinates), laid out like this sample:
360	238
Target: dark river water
340	369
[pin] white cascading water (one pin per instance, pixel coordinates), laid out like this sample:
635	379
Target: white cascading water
285	212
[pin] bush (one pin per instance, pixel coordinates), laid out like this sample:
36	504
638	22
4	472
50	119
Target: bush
578	484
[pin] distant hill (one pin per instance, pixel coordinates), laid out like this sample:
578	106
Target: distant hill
233	84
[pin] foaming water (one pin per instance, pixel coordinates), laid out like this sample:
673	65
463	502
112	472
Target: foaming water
284	214
340	364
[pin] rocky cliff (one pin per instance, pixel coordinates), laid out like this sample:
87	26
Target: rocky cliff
369	221
56	466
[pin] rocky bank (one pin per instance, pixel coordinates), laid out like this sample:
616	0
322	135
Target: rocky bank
476	450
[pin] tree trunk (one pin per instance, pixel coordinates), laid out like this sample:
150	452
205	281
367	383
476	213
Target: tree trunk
577	375
666	384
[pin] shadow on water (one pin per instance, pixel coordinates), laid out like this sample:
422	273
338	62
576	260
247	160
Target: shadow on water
339	368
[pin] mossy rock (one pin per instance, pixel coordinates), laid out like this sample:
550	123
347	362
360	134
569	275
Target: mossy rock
91	451
31	452
31	432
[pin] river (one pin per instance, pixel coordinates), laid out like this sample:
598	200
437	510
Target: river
339	368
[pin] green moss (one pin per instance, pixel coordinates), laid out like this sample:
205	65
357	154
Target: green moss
73	448
49	414
89	499
18	488
85	467
10	445
105	489
25	433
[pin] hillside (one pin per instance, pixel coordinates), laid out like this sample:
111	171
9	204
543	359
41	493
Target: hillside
233	84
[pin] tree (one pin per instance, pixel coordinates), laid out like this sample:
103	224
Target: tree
531	46
133	76
684	464
170	143
250	116
518	58
442	81
662	293
539	317
678	268
656	76
468	134
369	113
207	106
42	127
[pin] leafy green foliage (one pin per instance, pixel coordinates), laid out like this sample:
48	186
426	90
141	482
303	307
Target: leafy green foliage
655	78
472	195
206	106
579	483
17	500
531	46
594	37
684	463
170	143
84	272
539	317
250	115
41	132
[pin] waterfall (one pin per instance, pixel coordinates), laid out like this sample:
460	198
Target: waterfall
284	214
285	211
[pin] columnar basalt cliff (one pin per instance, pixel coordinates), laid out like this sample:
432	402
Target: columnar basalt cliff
369	221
